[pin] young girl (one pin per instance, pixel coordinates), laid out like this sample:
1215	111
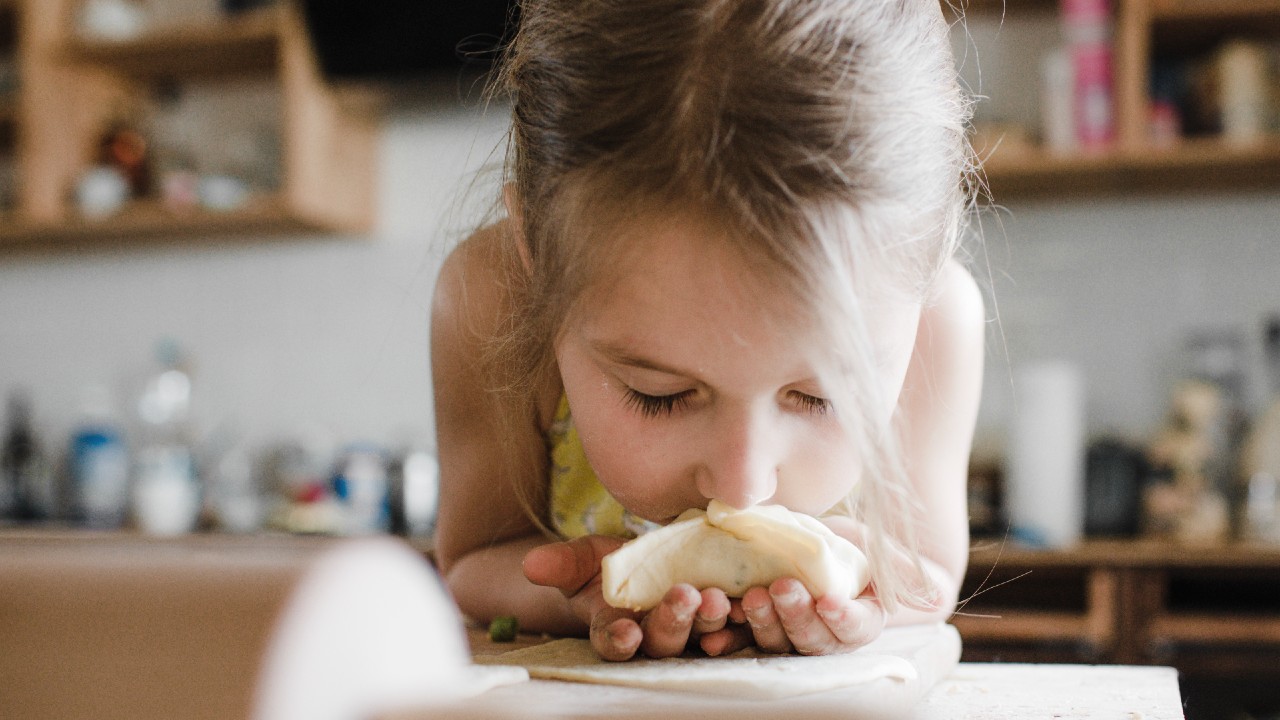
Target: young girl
726	272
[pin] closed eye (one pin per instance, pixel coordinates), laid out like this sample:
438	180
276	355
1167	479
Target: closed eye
652	406
811	404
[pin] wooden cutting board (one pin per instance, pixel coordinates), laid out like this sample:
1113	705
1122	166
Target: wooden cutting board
932	651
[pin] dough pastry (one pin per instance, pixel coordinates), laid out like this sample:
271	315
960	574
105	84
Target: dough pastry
733	550
902	659
747	674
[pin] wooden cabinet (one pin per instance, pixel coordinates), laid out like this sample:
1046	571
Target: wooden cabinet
1213	613
1143	32
71	88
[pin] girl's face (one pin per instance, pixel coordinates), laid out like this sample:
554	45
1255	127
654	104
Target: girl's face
687	385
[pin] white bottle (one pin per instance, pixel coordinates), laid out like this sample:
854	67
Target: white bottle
166	490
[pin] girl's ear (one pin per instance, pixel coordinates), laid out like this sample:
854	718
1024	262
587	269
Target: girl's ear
515	216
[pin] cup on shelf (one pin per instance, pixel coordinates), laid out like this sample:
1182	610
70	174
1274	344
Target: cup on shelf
112	19
101	192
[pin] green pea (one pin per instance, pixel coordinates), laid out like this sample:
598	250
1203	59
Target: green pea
504	628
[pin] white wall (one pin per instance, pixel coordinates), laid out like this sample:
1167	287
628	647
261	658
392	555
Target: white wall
323	334
1117	286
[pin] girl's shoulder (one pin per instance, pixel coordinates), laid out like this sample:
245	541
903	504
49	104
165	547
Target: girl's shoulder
957	301
951	335
473	306
473	284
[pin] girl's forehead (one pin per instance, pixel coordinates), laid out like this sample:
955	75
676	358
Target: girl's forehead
683	289
674	260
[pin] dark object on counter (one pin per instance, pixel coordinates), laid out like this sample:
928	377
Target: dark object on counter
1114	473
26	491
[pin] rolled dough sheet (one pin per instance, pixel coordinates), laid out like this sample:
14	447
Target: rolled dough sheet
911	658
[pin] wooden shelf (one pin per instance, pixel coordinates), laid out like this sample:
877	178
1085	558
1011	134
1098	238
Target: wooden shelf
1021	625
1201	165
151	221
1199	608
241	45
1125	554
1215	629
1143	28
1213	9
73	88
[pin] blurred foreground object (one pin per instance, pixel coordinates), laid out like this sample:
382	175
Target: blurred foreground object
223	627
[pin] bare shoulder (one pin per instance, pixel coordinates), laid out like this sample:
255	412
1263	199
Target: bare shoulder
470	292
957	305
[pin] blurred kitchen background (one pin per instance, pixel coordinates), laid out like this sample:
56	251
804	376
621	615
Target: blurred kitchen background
215	278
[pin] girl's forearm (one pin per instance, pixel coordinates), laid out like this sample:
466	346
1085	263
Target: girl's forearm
490	582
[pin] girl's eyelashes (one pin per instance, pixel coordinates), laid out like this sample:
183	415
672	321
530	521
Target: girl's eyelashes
652	406
812	404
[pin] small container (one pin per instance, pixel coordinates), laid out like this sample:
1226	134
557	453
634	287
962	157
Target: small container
362	486
112	19
1087	25
101	192
99	465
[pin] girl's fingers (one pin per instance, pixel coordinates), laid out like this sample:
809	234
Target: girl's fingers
794	606
615	634
766	627
853	623
713	613
568	566
667	627
728	639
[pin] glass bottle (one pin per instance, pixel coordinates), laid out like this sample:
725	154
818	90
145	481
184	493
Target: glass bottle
27	484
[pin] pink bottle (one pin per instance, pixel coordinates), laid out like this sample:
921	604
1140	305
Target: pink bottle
1087	25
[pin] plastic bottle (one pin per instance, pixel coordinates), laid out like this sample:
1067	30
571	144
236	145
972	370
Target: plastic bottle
1087	25
99	464
362	486
166	491
26	483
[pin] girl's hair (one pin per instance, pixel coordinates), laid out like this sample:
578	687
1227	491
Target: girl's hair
824	139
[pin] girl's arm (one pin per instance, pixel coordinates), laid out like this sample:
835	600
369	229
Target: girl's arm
484	530
940	405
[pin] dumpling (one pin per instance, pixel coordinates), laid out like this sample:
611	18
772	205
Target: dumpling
733	550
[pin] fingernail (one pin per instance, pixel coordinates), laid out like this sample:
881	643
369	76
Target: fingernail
788	599
836	616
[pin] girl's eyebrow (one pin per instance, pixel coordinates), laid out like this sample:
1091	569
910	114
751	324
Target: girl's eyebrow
625	356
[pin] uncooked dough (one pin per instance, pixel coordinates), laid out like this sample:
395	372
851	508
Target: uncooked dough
734	550
751	675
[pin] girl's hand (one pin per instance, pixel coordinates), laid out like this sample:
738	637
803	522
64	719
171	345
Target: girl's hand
785	618
573	568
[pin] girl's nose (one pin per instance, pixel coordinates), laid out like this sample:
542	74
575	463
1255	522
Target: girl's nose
740	467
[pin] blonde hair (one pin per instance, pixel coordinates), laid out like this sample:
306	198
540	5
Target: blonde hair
827	137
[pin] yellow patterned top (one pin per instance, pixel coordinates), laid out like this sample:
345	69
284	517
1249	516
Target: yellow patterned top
579	503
